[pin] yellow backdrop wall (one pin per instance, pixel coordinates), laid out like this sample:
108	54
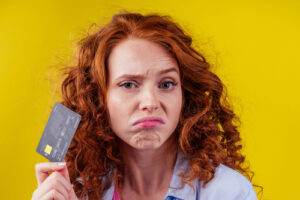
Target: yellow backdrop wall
253	46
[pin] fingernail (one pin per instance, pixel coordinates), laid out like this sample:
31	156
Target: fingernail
61	164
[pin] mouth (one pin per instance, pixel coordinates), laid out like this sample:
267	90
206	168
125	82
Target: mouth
149	122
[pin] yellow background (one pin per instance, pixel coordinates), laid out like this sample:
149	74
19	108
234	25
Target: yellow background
253	45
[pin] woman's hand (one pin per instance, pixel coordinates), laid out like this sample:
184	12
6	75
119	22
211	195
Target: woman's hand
56	185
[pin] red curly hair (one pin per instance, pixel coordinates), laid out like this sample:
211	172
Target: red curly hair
207	130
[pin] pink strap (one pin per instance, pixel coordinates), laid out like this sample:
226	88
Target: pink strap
116	195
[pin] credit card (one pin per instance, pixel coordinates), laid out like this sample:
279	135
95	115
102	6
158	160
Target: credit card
58	133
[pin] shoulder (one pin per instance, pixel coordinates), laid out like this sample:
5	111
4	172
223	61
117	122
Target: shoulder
227	184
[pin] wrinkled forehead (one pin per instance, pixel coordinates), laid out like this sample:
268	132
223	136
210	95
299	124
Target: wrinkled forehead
139	57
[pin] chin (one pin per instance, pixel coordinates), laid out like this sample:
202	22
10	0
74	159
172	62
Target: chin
147	145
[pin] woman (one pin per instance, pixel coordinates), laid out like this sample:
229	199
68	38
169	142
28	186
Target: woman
154	125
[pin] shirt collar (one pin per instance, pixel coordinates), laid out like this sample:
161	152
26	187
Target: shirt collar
181	166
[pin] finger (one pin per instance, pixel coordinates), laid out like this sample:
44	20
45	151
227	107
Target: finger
57	177
53	194
42	169
47	186
64	172
72	195
35	194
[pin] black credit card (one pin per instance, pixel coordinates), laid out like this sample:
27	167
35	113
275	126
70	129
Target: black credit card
58	133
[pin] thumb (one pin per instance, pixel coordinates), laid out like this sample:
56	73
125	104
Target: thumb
64	172
66	175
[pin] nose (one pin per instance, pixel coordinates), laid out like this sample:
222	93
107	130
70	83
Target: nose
148	100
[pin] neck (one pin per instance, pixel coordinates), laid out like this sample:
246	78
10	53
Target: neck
148	171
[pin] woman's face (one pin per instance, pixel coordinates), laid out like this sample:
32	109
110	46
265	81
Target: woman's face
143	84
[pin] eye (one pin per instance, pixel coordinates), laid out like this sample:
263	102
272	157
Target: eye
167	84
127	85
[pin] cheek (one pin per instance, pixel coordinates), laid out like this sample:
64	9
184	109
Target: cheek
177	102
117	112
112	104
174	107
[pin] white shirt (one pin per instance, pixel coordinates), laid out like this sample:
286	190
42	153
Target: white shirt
227	184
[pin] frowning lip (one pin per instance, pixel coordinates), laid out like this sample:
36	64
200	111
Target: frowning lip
145	119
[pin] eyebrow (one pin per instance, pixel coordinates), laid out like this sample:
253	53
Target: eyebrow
137	76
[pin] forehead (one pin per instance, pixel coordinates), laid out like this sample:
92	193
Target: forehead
139	56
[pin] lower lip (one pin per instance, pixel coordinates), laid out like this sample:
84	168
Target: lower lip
149	124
